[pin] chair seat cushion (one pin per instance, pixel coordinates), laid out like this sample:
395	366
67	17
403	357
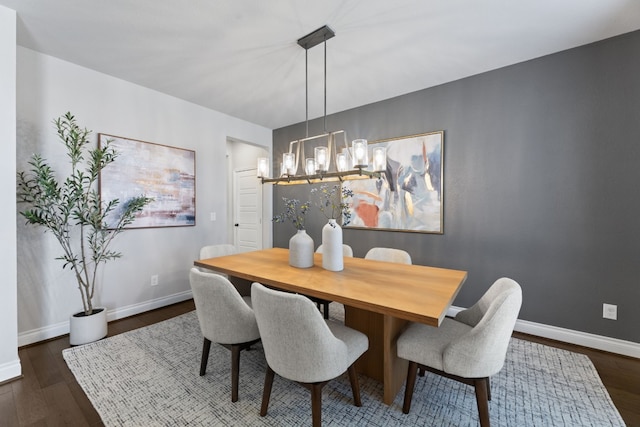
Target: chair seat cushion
357	342
426	344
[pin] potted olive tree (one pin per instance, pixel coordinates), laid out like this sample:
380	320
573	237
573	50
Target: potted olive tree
70	209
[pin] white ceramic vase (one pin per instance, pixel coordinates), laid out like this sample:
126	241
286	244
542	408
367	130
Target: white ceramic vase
332	255
301	250
85	329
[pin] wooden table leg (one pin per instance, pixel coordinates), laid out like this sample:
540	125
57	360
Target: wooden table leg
380	362
395	369
371	363
242	285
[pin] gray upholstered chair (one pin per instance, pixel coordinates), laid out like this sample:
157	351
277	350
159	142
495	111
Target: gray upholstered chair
301	346
389	254
346	250
320	302
213	251
225	318
470	348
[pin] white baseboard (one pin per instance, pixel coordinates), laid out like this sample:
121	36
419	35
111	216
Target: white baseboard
41	334
121	313
10	370
599	342
62	328
613	345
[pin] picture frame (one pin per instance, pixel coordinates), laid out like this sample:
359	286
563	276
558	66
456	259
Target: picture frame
164	173
409	195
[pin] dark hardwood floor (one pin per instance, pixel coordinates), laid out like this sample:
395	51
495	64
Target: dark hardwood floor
48	394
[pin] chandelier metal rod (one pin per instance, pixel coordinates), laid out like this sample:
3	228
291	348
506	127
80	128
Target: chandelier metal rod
325	86
306	90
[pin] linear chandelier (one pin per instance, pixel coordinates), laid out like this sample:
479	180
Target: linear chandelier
352	162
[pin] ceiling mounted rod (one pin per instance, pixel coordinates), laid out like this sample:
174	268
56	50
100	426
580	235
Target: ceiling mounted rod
314	38
306	91
324	124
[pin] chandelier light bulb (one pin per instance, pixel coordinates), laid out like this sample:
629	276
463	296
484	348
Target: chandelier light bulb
263	167
321	159
310	166
289	163
379	159
341	162
360	153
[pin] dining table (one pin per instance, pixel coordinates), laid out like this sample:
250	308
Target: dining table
380	299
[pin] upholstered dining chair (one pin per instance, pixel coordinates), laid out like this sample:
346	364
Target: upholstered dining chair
323	303
213	251
470	348
301	346
347	251
225	318
389	254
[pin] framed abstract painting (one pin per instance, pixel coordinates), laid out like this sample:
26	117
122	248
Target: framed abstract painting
409	194
167	174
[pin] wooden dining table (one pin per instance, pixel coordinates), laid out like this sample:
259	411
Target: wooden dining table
380	299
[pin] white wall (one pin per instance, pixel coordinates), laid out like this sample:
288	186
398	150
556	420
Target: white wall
49	87
9	362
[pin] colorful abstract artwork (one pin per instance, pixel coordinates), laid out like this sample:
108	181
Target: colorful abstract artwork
167	174
408	196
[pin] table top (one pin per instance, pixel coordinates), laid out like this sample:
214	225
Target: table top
412	292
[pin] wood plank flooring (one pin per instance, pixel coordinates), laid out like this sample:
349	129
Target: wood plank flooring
48	394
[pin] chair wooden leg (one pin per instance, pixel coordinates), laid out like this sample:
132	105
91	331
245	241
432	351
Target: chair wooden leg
412	371
489	389
235	371
322	305
355	385
206	346
482	399
266	393
421	371
316	404
236	350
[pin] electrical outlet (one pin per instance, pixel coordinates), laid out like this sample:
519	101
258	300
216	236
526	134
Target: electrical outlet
610	311
154	280
213	216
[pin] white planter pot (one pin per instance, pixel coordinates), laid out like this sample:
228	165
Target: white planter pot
301	250
332	255
85	329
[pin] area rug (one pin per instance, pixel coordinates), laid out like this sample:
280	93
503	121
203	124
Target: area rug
150	377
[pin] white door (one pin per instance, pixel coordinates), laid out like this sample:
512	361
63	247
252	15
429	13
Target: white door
247	234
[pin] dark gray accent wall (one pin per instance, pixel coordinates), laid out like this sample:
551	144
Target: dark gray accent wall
541	182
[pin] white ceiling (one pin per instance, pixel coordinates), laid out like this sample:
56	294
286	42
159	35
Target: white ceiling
240	57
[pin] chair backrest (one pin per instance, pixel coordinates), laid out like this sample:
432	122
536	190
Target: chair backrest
298	344
481	351
389	254
346	250
223	314
213	251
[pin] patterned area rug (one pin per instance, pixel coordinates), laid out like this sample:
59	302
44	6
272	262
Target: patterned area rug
149	377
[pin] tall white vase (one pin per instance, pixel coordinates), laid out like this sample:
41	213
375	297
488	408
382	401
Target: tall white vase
301	250
332	255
